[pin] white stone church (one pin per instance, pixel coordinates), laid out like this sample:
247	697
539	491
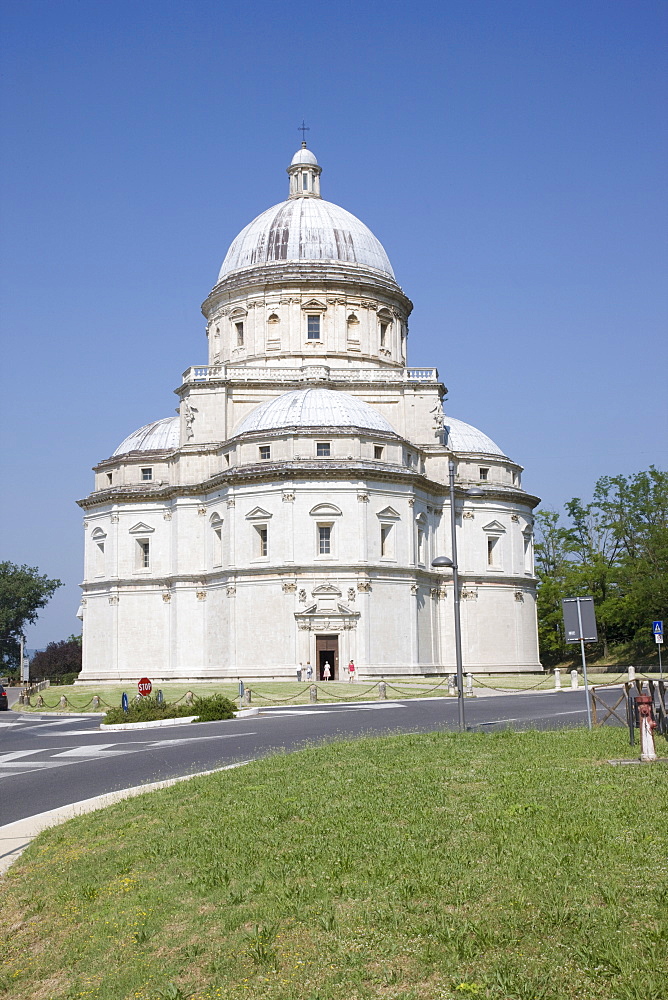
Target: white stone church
291	511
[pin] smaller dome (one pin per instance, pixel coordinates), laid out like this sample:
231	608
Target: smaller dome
161	435
314	408
304	155
461	437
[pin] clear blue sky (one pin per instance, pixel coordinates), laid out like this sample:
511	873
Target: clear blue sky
509	154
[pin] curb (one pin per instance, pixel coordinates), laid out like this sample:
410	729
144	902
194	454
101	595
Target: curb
181	720
15	837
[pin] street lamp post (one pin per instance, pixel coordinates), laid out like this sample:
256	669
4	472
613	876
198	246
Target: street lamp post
443	562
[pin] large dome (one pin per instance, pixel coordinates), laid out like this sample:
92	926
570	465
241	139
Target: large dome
158	436
461	437
314	408
305	229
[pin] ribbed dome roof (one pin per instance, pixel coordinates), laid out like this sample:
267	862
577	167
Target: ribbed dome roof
461	437
305	229
314	408
304	155
160	435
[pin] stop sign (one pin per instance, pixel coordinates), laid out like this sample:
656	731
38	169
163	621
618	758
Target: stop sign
145	686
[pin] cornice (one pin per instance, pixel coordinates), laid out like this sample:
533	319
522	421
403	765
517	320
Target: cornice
297	469
331	275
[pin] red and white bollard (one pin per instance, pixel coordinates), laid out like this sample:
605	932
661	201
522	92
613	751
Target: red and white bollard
647	727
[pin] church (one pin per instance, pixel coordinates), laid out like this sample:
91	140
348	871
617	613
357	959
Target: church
291	511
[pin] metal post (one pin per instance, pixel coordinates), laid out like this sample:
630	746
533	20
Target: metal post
660	667
584	663
455	582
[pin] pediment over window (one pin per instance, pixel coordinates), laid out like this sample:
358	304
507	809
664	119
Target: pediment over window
385	315
421	518
314	305
99	535
326	588
257	514
494	526
325	509
389	513
141	529
238	314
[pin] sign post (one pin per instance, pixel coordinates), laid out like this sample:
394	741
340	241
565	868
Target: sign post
580	626
657	629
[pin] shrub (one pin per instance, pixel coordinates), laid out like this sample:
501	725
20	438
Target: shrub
208	709
147	710
214	707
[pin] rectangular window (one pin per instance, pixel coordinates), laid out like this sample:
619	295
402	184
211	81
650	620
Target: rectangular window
324	539
240	334
305	182
265	452
409	459
383	333
420	546
110	478
483	474
528	554
386	540
217	539
143	553
99	559
377	451
147	475
314	328
262	540
322	449
491	554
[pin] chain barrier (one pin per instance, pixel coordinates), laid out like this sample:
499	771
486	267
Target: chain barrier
423	691
277	701
342	697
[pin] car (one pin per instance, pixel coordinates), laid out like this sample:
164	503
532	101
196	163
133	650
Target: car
4	704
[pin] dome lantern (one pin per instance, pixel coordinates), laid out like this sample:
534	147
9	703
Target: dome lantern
304	174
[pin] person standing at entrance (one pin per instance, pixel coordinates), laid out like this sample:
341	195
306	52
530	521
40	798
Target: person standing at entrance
309	671
326	671
299	673
351	672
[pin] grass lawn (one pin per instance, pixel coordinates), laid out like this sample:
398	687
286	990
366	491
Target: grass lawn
510	866
276	692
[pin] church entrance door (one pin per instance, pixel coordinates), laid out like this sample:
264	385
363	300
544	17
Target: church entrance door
327	651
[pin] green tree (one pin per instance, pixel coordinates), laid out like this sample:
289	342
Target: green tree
22	593
58	658
552	569
614	548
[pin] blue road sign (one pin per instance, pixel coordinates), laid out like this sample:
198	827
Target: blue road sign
657	628
124	702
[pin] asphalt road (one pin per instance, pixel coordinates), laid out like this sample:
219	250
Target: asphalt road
47	761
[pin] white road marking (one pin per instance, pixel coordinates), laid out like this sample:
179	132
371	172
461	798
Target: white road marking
92	750
331	711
